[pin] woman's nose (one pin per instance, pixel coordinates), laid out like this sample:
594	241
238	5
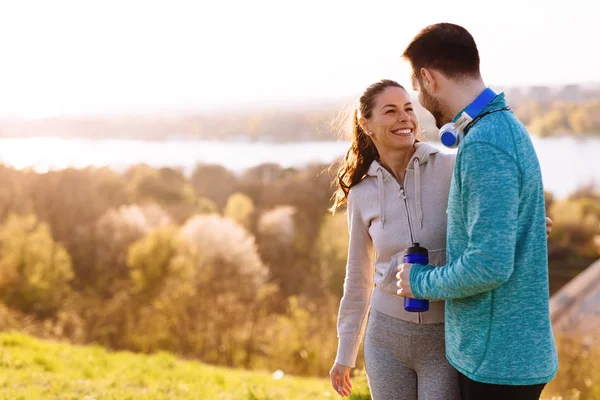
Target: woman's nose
403	116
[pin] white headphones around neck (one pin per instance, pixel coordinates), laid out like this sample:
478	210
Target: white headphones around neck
452	133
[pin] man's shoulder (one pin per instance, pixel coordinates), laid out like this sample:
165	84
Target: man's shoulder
499	130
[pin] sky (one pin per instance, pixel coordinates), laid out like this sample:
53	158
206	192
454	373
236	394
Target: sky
92	57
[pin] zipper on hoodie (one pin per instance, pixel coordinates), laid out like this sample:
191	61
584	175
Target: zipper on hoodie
403	194
412	237
410	229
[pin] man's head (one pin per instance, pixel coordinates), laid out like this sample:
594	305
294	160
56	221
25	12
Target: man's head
443	57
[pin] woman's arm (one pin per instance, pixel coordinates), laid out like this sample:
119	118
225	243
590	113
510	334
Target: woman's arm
358	286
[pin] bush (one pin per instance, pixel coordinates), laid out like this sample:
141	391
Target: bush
240	208
34	270
572	245
227	254
578	375
331	252
157	259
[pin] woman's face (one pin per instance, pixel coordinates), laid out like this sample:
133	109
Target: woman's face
393	121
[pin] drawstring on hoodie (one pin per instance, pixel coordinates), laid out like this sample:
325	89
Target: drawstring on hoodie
378	170
381	195
418	191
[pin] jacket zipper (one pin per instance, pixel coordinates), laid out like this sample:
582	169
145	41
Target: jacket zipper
403	193
412	237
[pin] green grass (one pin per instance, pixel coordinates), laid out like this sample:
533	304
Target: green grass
36	369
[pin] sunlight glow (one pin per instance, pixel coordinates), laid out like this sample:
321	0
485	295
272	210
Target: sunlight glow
72	57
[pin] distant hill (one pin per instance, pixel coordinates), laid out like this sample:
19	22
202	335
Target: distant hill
546	110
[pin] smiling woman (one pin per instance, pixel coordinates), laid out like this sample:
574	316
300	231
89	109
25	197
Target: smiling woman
396	192
394	122
384	117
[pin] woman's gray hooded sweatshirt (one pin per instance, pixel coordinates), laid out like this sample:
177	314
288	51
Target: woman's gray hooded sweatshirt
384	218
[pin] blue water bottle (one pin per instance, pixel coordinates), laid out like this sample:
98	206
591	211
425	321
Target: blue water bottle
416	255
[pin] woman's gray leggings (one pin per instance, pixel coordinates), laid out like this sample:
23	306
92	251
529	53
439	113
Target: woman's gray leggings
407	361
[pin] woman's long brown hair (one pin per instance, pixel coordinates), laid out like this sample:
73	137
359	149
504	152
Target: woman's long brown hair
362	151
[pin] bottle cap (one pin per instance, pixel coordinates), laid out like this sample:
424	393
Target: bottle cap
416	249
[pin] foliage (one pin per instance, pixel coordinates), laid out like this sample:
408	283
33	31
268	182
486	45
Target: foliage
578	375
240	208
574	243
34	270
243	270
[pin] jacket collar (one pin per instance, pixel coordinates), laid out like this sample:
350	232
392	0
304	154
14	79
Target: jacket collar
422	153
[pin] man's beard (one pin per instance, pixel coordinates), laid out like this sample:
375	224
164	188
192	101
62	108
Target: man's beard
434	106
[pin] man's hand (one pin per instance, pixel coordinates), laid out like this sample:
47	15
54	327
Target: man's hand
403	277
548	226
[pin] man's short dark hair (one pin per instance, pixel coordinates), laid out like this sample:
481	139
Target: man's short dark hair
444	47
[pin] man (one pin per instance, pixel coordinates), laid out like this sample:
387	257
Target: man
495	281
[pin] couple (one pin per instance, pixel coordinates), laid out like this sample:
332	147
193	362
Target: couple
487	333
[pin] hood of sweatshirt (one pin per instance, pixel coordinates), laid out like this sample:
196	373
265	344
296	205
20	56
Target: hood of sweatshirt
421	156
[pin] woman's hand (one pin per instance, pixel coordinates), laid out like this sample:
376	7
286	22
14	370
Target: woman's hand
548	226
340	379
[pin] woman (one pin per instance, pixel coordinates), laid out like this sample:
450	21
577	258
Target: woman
396	192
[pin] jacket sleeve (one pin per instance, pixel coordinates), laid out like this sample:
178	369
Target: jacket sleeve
358	286
489	182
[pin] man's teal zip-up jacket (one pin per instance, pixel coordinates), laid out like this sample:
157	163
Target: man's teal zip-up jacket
495	282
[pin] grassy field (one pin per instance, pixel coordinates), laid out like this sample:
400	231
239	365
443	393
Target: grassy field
32	369
35	369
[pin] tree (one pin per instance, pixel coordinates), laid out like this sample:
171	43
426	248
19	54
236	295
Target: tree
214	182
167	187
226	253
158	257
332	251
71	201
116	230
276	235
549	123
580	120
150	315
572	244
231	294
163	185
35	271
240	208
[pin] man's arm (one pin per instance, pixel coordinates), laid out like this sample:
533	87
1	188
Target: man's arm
490	181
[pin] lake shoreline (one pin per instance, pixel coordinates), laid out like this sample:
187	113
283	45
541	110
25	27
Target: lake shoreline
567	162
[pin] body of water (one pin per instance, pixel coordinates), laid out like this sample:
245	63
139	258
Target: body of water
567	162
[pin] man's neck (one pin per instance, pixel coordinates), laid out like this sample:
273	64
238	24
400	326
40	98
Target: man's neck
464	93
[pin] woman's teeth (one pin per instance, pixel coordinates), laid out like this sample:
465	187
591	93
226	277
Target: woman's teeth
402	131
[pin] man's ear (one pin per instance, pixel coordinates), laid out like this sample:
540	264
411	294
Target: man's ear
429	79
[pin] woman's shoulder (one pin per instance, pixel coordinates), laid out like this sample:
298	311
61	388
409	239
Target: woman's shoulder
437	156
443	157
360	190
363	194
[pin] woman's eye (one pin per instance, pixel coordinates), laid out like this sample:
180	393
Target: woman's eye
409	109
389	111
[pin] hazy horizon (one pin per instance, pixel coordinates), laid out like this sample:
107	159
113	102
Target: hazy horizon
241	108
69	58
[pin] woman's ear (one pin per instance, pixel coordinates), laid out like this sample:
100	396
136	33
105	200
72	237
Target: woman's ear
364	124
